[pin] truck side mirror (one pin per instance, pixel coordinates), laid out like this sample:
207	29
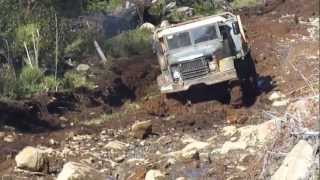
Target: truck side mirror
235	27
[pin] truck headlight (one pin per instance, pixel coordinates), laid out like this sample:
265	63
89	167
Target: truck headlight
176	74
213	65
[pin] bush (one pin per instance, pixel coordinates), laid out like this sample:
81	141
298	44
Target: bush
29	82
134	42
243	3
103	6
7	81
204	8
73	80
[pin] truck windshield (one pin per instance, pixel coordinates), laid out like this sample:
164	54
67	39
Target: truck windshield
178	40
205	33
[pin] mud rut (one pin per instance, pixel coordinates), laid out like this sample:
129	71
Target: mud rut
134	81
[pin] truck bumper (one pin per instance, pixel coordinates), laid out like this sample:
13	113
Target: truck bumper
210	79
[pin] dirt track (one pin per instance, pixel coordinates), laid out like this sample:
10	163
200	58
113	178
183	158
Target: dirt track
276	36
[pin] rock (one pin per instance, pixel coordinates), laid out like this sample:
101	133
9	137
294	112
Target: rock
192	154
120	158
190	151
164	23
196	145
187	11
154	175
116	145
83	67
32	159
164	140
77	171
137	174
276	96
142	129
252	135
205	157
229	130
280	103
9	138
297	163
148	26
181	178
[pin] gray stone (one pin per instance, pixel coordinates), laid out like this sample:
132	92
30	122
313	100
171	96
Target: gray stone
32	159
77	171
297	164
154	175
141	129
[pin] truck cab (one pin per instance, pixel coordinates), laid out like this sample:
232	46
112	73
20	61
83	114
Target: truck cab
199	51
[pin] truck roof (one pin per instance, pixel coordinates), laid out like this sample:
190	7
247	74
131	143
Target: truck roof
191	24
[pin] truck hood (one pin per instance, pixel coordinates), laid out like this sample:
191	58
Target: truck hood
193	52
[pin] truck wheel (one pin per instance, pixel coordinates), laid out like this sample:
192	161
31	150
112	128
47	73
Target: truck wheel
236	96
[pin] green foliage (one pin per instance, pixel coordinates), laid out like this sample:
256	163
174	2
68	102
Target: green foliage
25	33
243	3
102	5
7	81
29	82
129	43
158	8
204	8
73	80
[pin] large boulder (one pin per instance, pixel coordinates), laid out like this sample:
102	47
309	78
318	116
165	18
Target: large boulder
155	175
32	159
141	130
77	171
252	136
297	164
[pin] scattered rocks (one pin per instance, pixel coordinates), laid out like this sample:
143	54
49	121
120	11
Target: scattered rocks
142	129
32	159
77	171
297	164
155	175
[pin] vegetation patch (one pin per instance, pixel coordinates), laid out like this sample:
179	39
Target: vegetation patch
130	43
243	3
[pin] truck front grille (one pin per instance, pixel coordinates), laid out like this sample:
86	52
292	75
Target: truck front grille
194	69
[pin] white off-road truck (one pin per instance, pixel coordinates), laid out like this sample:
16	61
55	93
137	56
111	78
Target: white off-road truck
199	51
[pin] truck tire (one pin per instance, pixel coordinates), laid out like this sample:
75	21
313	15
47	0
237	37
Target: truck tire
236	95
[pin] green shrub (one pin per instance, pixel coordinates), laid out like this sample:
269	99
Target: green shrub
73	80
49	83
7	81
129	43
204	8
29	82
103	6
243	3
